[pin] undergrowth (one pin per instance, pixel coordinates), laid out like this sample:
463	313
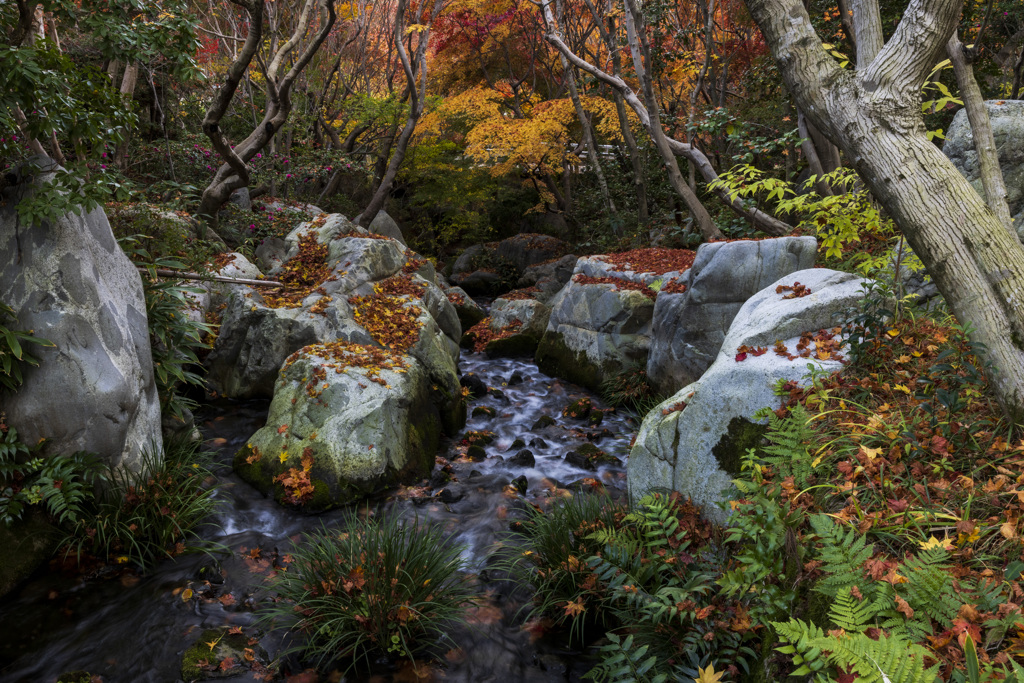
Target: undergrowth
158	512
373	588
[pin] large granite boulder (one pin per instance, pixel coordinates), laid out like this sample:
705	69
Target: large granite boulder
596	331
258	330
1007	117
384	224
691	319
255	339
70	282
346	420
693	442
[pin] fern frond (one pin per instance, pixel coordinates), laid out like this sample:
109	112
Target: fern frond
890	659
843	555
929	586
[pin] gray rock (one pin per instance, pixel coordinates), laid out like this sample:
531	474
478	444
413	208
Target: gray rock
238	267
1007	117
468	311
241	199
495	266
325	228
1018	225
693	441
549	277
595	331
529	249
70	283
361	429
27	544
358	260
914	279
596	266
254	340
385	225
271	255
689	327
531	316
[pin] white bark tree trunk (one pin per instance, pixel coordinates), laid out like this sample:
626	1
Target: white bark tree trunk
874	116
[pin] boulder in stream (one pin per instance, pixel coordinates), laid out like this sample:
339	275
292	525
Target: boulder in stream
693	442
347	420
514	328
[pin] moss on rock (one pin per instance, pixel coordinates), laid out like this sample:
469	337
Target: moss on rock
556	359
515	346
740	435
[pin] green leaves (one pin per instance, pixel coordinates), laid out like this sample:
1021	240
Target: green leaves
12	353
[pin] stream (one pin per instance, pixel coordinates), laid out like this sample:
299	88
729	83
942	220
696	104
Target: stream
129	628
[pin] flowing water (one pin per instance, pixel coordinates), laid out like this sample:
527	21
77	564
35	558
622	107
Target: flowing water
130	628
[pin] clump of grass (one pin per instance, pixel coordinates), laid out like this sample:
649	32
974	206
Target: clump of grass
158	512
553	561
631	390
376	588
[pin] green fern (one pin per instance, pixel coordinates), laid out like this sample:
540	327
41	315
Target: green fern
853	615
788	443
802	640
889	659
622	663
843	554
929	587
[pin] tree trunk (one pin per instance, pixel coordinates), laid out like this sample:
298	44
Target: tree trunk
415	68
874	116
981	132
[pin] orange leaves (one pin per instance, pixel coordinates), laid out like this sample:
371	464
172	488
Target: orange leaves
574	607
903	607
302	275
653	260
482	334
616	283
298	488
796	290
388	319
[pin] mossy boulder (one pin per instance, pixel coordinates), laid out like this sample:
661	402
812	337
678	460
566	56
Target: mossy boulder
519	324
590	457
346	421
484	411
579	409
693	442
543	422
597	330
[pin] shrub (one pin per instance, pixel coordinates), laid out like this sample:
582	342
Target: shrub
62	484
155	513
378	588
174	336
